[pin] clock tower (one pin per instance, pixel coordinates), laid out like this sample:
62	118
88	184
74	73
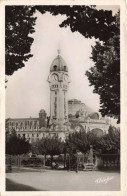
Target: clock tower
59	82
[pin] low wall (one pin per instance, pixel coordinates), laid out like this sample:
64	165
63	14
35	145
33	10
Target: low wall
107	161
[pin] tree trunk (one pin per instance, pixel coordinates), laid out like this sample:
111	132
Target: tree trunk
64	160
44	159
51	161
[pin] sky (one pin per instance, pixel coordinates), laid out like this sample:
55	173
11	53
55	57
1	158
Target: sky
28	89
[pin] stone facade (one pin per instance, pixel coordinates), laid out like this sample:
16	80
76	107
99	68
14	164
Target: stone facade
66	116
59	83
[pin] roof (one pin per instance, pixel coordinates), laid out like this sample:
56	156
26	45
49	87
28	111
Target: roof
74	101
58	64
42	111
18	119
94	115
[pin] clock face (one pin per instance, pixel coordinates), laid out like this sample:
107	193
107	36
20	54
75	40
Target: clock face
65	77
55	77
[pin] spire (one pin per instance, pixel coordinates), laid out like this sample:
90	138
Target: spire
58	51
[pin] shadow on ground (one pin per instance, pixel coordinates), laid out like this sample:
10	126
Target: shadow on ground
12	186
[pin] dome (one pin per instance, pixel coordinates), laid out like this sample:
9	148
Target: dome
58	64
42	111
94	116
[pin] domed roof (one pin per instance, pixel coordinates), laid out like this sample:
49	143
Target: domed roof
58	64
94	115
42	111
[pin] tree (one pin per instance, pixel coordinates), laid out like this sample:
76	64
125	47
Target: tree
87	20
50	146
93	140
56	147
16	145
77	141
41	147
110	142
105	75
19	24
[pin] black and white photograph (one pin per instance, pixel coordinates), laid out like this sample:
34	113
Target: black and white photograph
63	98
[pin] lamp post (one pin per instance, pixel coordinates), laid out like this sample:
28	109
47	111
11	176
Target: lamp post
76	161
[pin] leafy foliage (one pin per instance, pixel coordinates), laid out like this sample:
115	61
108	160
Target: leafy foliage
87	20
105	75
107	144
93	140
48	146
16	145
90	22
18	27
77	141
110	143
20	24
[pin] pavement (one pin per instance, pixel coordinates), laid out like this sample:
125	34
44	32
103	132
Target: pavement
55	180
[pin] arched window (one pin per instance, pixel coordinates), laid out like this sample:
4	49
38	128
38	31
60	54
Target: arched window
55	67
64	68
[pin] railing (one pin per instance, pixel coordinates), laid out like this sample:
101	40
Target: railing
101	161
111	161
108	161
24	161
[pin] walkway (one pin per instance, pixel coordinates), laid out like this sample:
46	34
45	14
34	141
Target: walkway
52	180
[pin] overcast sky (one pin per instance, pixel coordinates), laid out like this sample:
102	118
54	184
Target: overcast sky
28	90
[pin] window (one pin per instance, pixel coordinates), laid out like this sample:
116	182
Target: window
64	68
32	135
55	67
